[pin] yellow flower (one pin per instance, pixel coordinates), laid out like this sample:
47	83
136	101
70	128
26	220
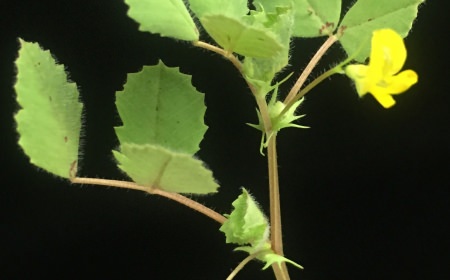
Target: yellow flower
380	78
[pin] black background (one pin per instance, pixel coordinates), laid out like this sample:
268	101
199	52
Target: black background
365	191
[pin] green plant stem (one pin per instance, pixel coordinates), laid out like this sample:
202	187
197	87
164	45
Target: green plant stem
281	273
309	87
228	55
173	196
240	266
312	63
260	101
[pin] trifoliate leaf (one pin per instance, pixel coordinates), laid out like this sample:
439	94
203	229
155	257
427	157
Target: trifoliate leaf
170	18
366	16
160	106
156	167
234	8
236	35
247	223
49	122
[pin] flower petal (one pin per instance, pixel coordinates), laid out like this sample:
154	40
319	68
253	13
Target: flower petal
388	53
358	73
383	98
402	82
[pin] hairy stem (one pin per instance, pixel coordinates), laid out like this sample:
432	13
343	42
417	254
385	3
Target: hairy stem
173	196
275	208
240	266
281	273
309	87
228	55
312	63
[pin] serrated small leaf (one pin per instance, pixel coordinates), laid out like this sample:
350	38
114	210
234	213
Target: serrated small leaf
235	35
49	122
156	167
160	106
246	224
366	16
312	18
170	18
237	8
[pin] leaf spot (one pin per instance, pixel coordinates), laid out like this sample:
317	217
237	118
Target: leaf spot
326	28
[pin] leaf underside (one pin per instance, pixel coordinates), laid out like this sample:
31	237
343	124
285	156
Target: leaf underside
312	18
170	18
156	167
162	115
49	121
160	106
237	36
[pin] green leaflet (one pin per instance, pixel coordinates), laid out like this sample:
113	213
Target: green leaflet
49	122
236	35
368	15
170	18
246	224
157	167
162	115
160	106
261	71
312	18
226	22
236	8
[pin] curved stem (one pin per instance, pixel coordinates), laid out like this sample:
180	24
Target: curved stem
281	273
173	196
228	55
312	63
240	266
309	87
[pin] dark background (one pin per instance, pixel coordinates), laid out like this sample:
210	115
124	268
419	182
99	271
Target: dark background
365	191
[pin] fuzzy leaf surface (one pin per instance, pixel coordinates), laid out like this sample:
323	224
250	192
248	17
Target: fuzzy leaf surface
237	35
237	8
261	71
170	18
157	167
246	224
160	106
365	16
312	18
49	121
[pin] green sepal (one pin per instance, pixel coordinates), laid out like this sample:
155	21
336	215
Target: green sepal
156	167
49	121
278	120
267	255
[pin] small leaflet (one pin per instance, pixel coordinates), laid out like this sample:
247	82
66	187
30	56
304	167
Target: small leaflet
49	121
